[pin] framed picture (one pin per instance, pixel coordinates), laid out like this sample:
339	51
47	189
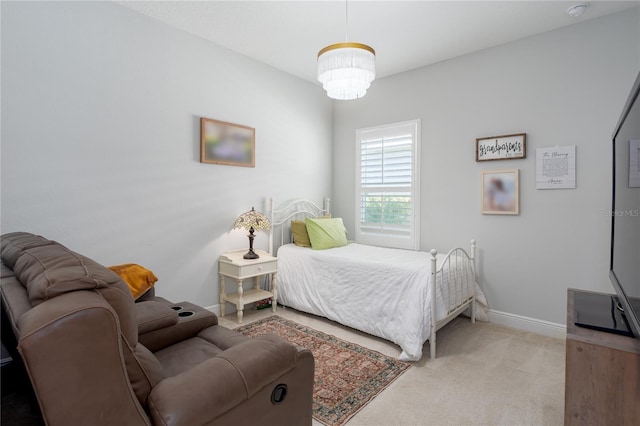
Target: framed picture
507	147
227	143
556	167
634	163
500	192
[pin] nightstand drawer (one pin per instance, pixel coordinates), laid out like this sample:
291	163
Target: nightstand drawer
250	270
260	269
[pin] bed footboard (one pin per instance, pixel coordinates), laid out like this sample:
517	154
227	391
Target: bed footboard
456	278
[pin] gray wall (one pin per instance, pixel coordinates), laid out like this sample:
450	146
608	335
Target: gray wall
100	139
565	87
100	146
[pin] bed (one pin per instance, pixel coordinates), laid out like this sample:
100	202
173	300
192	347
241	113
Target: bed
380	291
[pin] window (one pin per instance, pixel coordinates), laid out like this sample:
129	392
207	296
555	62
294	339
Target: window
388	185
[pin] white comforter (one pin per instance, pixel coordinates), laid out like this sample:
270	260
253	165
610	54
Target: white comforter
380	291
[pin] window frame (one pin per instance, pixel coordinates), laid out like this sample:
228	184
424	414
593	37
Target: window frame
393	239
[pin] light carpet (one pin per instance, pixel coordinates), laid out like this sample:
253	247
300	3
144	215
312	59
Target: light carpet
347	375
485	375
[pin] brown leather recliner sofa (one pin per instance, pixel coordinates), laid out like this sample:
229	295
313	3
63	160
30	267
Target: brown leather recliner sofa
96	357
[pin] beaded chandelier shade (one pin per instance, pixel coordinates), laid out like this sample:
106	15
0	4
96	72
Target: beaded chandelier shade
346	69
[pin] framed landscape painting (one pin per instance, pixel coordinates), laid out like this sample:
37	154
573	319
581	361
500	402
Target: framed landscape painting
227	143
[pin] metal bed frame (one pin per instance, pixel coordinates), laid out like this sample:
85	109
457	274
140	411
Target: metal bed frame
458	267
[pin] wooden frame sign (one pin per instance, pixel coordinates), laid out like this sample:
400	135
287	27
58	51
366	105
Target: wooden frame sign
505	147
227	143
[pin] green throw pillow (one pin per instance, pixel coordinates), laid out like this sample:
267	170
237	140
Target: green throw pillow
299	232
326	233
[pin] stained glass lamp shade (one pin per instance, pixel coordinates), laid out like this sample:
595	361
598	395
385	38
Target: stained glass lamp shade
252	221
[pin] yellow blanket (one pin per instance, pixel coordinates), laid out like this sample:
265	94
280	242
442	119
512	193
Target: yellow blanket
138	278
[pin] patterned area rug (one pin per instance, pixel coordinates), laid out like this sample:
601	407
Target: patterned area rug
347	376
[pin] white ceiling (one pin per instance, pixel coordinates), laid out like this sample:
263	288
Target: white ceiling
405	34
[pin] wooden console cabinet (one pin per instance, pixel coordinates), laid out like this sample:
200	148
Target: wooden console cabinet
602	381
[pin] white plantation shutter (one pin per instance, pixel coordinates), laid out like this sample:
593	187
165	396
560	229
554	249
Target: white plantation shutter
387	185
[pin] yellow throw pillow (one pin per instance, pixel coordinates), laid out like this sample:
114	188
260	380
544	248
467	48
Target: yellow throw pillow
300	234
138	278
326	233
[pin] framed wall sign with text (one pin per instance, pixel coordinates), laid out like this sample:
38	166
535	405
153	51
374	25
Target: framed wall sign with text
505	147
556	167
634	163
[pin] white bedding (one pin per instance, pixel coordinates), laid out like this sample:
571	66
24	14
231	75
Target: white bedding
380	291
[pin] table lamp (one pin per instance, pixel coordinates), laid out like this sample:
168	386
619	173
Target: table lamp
251	221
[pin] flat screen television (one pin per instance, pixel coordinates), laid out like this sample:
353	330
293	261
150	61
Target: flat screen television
620	313
624	271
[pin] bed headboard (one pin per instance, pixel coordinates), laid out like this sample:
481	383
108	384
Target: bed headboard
282	215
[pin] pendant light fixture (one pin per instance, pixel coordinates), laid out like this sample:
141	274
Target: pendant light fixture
346	69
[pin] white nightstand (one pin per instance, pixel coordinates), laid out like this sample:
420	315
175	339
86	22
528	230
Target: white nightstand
233	265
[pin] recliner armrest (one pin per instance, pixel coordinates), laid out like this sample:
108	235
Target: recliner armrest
70	348
153	315
192	319
210	392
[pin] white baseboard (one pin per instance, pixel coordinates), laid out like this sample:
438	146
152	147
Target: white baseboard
532	325
506	319
215	309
